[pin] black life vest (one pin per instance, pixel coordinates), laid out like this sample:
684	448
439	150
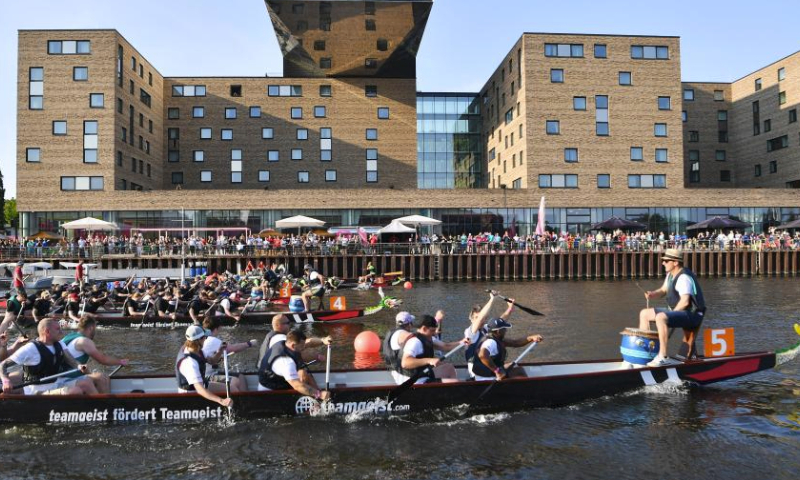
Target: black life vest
427	352
698	303
42	306
392	357
265	345
50	363
471	351
269	379
479	368
183	383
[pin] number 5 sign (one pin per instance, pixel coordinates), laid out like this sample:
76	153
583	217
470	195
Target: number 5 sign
719	342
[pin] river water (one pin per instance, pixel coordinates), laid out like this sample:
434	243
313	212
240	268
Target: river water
747	428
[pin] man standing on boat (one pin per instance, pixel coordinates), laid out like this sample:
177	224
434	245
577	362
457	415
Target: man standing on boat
44	357
17	279
80	344
282	368
80	273
316	287
684	298
419	353
491	364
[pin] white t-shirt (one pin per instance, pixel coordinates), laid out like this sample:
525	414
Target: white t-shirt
490	345
28	356
684	285
412	348
211	346
284	367
191	370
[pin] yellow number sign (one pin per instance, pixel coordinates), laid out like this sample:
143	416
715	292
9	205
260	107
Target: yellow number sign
338	303
719	342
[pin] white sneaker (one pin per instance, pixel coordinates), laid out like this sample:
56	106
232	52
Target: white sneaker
659	361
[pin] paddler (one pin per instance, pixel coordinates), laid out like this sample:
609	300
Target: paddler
190	369
81	346
418	354
491	364
316	287
684	297
282	368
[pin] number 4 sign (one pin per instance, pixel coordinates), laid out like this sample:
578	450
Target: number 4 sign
338	303
719	342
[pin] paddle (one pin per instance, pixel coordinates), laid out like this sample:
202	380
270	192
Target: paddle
511	367
525	309
144	314
227	383
403	387
328	369
115	371
47	379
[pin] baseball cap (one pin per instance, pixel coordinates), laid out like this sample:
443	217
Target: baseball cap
308	267
497	324
426	321
404	318
20	263
195	332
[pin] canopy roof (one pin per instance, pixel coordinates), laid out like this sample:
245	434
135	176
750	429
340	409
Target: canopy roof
396	227
298	221
89	223
418	220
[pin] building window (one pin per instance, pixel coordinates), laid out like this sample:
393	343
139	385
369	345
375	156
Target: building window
601	115
558	181
720	155
724	175
664	103
757	171
80	74
297	112
285	90
383	113
90	141
369	25
319	45
684	116
372	153
557	75
571	155
773	166
662	155
198	112
144	97
32	155
230	113
330	175
36	88
273	155
372	134
603	180
177	178
188	90
781	74
647	181
563	50
69	47
319	111
267	133
719	96
173	133
263	175
302	134
767	125
60	127
226	134
371	63
579	103
325	91
205	133
509	115
173	155
205	176
694	172
625	78
758	84
198	155
81	183
255	112
688	94
120	105
600	50
637	154
297	154
371	90
778	143
173	113
781	98
660	129
552	127
649	52
694	136
792	115
382	44
325	63
302	177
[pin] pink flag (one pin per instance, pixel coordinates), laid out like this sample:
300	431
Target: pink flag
363	235
540	222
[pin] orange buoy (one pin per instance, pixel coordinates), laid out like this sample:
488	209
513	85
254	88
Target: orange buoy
367	342
407	285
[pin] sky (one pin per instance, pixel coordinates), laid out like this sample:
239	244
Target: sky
464	40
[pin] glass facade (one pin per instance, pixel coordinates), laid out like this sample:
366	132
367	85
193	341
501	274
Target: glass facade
449	152
455	221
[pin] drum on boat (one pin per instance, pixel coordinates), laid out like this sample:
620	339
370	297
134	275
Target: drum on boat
296	304
638	346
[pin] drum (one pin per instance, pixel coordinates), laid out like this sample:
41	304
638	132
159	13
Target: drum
296	304
638	346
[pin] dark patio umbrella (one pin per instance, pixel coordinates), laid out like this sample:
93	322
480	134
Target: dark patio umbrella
792	224
616	223
717	223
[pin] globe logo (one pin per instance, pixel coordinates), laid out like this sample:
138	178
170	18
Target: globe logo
306	406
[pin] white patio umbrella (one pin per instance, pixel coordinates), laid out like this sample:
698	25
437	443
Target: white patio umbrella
417	220
299	221
89	223
396	227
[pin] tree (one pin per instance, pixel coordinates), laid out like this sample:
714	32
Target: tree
10	211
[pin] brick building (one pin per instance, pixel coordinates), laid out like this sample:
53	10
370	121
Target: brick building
592	122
